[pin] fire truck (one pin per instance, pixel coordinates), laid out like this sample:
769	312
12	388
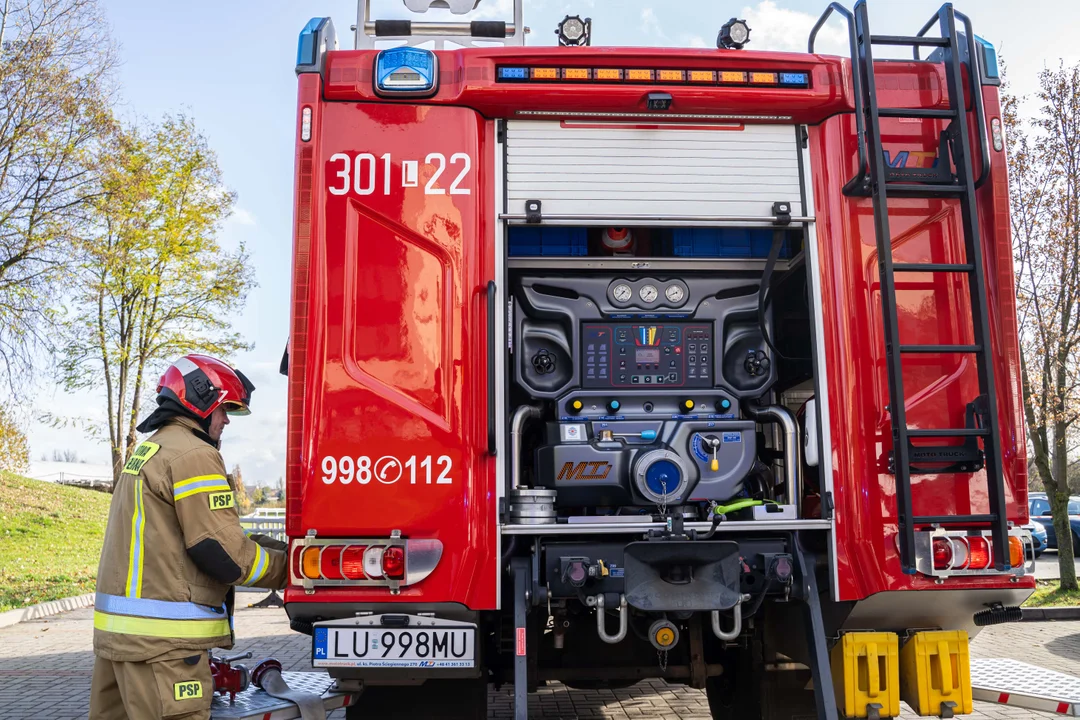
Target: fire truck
612	363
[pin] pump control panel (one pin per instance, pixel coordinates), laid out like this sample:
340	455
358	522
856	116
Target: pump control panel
642	355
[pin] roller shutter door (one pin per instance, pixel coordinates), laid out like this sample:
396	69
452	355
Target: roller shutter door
591	168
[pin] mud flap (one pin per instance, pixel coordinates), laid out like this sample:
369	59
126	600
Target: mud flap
674	575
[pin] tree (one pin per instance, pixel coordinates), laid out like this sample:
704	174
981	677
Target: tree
14	449
56	65
1044	180
259	496
152	282
243	502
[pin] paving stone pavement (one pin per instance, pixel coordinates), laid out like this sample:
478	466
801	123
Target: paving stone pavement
45	669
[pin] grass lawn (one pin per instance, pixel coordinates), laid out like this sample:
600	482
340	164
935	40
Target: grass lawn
1048	594
50	540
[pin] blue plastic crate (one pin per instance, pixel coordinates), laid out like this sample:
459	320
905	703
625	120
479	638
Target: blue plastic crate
726	243
548	241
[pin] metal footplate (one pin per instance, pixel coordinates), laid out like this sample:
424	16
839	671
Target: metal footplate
1010	682
255	704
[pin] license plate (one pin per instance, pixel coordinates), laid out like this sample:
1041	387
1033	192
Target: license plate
424	643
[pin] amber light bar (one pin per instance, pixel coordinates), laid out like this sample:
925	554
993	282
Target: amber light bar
667	76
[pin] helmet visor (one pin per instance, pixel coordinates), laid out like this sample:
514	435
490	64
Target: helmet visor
233	407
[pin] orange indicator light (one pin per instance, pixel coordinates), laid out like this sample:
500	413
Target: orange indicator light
575	74
545	73
639	75
702	76
766	78
670	75
731	76
607	74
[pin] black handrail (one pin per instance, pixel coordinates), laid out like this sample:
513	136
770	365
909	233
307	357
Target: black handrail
492	440
974	79
856	77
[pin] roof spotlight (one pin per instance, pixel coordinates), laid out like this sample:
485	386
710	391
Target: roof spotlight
575	31
733	34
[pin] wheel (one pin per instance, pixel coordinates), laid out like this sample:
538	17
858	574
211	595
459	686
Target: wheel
1038	554
435	699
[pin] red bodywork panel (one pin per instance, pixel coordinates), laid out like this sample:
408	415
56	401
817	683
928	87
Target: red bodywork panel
389	345
397	361
932	309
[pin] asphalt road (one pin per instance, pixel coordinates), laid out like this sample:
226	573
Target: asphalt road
1046	566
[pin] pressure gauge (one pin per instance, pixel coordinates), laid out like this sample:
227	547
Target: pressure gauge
648	293
675	294
622	293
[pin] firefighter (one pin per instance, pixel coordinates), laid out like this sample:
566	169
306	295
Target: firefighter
173	550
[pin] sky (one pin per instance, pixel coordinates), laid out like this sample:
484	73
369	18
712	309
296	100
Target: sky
229	65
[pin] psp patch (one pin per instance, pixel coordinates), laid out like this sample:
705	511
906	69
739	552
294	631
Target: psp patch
187	690
222	500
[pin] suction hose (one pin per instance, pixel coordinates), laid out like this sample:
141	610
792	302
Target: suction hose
517	423
792	449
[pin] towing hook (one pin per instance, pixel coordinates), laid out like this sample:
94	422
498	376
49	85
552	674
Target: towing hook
601	621
736	622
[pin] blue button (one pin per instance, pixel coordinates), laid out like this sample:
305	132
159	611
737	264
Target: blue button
725	403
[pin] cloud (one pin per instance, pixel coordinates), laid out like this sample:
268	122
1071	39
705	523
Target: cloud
649	24
776	28
240	216
696	41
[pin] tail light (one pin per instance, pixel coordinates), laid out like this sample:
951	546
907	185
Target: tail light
394	563
979	556
944	553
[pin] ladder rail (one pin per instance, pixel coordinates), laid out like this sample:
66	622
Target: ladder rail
890	322
977	290
856	83
975	72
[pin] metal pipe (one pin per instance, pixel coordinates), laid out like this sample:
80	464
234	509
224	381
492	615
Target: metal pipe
601	620
736	625
792	448
517	422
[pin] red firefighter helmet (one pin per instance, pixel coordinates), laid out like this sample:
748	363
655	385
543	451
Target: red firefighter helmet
201	383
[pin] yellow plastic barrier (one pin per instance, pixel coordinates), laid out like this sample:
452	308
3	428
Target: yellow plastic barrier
935	673
866	674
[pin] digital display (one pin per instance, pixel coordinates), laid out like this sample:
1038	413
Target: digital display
647	356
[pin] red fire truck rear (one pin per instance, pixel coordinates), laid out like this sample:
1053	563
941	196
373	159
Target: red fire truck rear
620	363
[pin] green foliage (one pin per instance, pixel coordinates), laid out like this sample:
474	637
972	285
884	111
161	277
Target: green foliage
152	281
14	449
243	502
56	63
259	496
1048	593
50	540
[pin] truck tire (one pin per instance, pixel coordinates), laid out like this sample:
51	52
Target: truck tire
435	699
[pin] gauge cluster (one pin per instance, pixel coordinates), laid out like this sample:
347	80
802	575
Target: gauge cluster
647	293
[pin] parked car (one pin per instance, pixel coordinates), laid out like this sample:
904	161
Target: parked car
1038	536
1039	509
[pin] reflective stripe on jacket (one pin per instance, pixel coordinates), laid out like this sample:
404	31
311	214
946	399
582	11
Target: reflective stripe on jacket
173	505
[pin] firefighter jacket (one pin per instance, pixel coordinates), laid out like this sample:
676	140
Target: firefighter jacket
173	549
